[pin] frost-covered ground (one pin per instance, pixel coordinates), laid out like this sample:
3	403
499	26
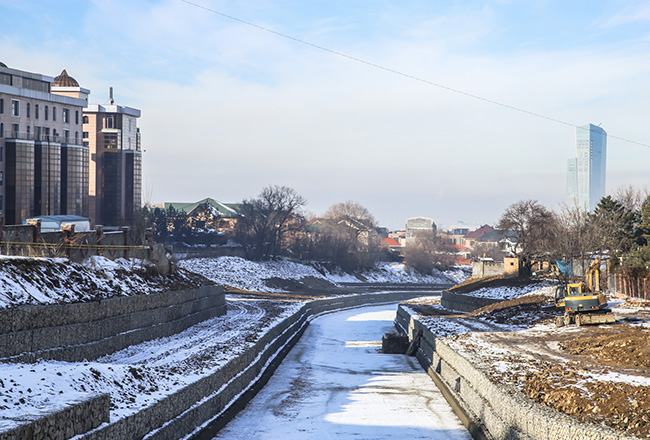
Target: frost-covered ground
251	275
139	375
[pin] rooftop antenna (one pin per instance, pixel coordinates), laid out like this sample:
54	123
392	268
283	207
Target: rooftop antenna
110	95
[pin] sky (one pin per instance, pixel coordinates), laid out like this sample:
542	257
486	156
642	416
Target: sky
385	116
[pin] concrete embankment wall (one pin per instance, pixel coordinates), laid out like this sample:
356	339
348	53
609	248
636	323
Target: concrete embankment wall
464	303
74	332
491	410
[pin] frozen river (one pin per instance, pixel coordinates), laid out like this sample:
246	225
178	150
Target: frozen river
335	384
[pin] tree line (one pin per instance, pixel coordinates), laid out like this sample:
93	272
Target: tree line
618	229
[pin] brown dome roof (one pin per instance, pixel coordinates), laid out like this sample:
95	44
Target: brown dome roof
64	80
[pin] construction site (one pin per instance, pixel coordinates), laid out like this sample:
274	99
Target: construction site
574	381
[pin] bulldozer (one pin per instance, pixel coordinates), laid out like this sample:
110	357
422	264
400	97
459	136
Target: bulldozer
583	302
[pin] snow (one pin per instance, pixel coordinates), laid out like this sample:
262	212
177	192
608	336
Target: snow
251	275
336	384
33	281
139	375
546	288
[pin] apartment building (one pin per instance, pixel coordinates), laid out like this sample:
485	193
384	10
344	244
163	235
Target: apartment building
43	162
115	189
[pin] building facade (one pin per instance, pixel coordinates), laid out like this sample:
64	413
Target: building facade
43	162
113	137
419	225
586	172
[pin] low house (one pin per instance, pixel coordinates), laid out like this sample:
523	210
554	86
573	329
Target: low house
208	214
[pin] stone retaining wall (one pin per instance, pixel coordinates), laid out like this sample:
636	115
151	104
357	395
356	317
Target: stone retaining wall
73	420
464	303
74	332
502	411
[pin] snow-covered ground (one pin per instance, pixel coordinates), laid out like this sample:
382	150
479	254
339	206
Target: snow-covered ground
250	275
546	288
335	384
34	281
139	375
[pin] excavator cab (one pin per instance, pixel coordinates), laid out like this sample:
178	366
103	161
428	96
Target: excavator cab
583	303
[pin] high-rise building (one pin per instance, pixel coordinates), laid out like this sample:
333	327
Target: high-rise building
43	163
586	172
113	137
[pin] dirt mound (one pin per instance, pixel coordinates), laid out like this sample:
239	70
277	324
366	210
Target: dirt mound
622	345
621	406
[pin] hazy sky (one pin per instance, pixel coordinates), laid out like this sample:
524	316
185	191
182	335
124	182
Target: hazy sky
228	108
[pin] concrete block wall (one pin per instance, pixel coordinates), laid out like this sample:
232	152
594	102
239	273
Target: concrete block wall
73	420
464	303
74	332
501	410
482	268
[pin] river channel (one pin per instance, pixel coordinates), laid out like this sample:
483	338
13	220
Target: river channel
336	384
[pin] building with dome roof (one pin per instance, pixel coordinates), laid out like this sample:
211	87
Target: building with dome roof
43	161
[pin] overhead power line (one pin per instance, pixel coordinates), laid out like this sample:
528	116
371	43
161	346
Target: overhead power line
400	73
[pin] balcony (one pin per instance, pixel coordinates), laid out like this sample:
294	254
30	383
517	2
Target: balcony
24	136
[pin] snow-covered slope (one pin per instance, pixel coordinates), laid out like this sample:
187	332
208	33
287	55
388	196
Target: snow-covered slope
250	275
25	281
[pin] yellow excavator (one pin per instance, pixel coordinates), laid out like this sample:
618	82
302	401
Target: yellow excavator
583	302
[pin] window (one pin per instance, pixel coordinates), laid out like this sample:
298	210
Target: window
66	136
85	119
28	131
2	178
85	135
2	130
65	114
53	113
2	105
2	154
76	138
47	116
2	205
36	111
15	107
76	117
15	129
29	114
37	133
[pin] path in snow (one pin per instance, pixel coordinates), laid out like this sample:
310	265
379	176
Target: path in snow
335	384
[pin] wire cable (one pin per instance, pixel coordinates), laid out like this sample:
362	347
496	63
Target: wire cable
405	75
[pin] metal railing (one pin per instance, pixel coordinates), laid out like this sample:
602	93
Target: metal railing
58	138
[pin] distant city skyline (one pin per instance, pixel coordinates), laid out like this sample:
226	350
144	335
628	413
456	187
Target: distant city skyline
229	109
586	173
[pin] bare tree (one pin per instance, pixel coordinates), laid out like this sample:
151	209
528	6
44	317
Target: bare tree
350	209
574	238
630	197
428	251
534	225
268	218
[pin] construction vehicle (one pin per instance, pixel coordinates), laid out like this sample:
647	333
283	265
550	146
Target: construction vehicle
583	302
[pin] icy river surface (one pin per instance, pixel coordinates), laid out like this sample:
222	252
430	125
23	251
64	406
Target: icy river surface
335	384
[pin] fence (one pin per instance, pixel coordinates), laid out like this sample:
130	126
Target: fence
29	241
631	287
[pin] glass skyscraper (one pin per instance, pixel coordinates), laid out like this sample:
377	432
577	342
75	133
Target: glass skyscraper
586	172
